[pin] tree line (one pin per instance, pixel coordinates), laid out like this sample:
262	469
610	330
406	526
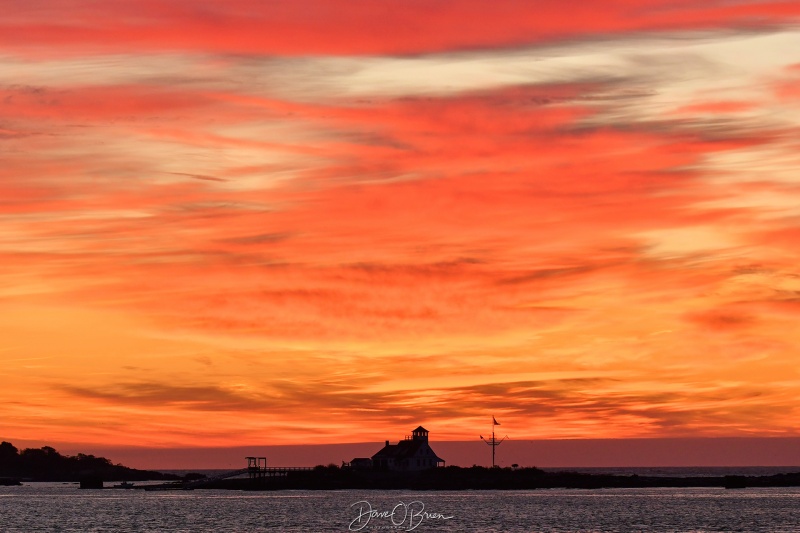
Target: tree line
46	464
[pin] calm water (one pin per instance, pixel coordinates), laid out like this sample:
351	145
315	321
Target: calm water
58	507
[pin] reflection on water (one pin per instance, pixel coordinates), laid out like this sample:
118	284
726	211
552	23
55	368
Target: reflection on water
62	507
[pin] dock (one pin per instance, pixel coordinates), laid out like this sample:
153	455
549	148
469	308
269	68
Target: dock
256	469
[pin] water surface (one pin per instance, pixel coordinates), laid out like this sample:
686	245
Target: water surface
63	508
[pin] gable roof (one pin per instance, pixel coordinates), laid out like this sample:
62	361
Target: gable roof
403	450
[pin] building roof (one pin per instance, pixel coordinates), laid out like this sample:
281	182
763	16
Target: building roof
402	450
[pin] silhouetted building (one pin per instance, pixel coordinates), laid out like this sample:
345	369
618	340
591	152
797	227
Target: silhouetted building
412	453
361	463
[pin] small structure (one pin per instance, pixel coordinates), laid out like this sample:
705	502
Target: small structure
91	482
360	463
257	467
412	453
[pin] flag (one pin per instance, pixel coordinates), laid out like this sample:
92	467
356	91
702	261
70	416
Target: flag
496	423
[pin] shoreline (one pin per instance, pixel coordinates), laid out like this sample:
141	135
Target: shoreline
475	478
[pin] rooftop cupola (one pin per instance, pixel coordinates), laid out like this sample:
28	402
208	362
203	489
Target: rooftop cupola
420	434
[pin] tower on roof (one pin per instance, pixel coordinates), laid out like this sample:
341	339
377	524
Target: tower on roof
420	434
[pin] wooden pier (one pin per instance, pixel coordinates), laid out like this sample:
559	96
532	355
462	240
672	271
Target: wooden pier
257	470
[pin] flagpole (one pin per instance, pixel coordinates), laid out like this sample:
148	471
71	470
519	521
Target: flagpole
494	442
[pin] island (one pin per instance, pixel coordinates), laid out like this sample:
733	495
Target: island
46	464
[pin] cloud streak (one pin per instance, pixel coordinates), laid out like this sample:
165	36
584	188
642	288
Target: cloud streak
360	27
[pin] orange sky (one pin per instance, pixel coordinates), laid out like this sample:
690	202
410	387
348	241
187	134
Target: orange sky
230	223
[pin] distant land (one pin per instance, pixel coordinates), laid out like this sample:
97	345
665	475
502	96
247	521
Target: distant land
731	451
481	478
47	464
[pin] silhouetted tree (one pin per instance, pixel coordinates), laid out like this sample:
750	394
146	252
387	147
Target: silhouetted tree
9	459
47	464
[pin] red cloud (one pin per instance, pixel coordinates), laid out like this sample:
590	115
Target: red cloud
433	205
353	27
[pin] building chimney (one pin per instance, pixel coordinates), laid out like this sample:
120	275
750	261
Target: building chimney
387	442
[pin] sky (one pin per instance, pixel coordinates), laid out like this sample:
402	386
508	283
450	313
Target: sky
228	223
